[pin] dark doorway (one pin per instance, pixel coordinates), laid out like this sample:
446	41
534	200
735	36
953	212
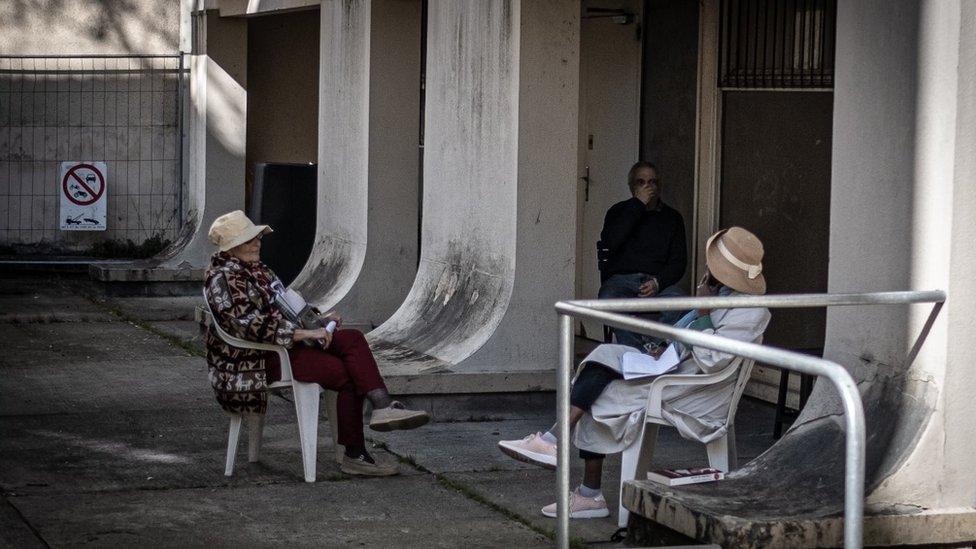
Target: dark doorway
282	89
776	183
669	101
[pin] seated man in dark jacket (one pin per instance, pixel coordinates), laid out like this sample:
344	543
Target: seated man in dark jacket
646	242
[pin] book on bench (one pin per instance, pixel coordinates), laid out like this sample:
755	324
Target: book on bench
677	477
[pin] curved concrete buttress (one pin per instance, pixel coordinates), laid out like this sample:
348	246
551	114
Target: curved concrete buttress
499	191
365	252
467	262
895	223
933	435
340	233
903	216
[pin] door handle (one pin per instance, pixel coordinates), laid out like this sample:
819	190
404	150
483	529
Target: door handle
586	187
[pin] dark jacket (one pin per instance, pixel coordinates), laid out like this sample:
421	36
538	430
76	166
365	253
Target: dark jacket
239	294
643	241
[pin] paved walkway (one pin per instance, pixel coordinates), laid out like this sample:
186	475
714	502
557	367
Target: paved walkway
110	437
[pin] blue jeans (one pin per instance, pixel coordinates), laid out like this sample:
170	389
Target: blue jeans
628	285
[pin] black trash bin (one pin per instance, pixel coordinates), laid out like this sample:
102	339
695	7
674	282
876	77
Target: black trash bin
284	196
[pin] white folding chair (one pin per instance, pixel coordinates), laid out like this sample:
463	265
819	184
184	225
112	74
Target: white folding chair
306	397
636	458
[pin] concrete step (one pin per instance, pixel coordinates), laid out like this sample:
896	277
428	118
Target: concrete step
146	278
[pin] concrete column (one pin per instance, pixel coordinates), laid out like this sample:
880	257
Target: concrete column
959	484
365	252
903	217
499	188
216	134
545	240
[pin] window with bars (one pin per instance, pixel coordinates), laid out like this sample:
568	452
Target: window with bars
777	43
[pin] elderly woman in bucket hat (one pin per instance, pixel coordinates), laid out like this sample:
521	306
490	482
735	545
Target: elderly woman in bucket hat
241	291
607	411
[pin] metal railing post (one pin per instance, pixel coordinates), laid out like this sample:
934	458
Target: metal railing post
562	417
856	441
180	184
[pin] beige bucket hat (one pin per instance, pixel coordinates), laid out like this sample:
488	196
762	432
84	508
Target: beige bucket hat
734	257
233	229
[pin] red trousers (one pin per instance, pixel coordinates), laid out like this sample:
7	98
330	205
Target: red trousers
347	367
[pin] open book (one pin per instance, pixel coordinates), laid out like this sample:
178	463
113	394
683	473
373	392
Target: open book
291	304
294	308
634	365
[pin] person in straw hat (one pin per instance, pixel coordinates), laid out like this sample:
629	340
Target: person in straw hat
241	292
607	411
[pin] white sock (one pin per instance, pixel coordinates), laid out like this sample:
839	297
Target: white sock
588	492
550	438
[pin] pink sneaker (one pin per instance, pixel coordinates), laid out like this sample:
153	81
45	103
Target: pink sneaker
581	507
531	449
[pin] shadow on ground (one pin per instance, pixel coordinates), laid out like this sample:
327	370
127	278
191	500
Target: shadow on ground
111	438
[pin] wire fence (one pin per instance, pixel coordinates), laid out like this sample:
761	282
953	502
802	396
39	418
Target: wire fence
124	110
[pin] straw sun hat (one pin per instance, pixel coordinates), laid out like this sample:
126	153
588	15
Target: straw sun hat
233	229
734	257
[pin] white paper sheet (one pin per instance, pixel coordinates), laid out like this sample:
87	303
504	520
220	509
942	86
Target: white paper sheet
635	365
293	302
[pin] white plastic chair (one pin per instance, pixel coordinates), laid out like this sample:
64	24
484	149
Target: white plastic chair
306	397
636	459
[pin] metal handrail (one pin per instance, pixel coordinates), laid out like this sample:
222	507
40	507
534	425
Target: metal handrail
607	311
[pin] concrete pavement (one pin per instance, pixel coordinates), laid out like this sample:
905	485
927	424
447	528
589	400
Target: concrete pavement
110	437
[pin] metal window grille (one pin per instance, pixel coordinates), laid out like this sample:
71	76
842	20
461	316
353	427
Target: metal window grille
125	110
777	43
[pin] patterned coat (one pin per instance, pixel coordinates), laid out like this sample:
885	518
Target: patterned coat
241	298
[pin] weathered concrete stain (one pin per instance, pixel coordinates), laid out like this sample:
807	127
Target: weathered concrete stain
446	286
453	306
390	357
329	272
183	238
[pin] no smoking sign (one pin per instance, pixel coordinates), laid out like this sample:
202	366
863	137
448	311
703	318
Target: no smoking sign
82	187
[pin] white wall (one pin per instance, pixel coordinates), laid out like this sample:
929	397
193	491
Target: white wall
961	324
901	218
85	26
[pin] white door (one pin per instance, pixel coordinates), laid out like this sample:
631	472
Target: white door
610	75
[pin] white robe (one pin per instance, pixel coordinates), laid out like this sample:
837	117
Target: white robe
699	412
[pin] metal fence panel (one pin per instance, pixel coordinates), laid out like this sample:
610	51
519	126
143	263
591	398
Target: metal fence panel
123	110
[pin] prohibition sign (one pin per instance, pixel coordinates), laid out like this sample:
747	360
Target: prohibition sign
93	194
